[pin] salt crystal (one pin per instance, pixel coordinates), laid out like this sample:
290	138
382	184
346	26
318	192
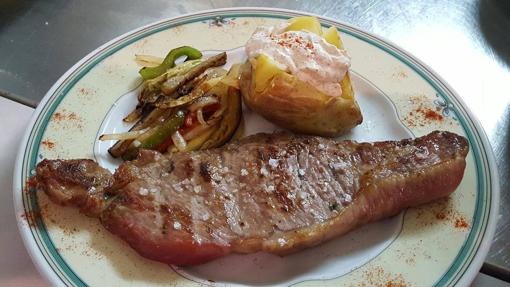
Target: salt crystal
177	225
321	146
244	172
281	241
143	191
229	178
337	165
197	189
270	188
264	171
301	172
216	177
273	162
422	153
177	187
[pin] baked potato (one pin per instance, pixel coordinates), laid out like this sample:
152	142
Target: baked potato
294	104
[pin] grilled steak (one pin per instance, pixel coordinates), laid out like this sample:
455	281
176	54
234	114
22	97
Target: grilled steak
275	193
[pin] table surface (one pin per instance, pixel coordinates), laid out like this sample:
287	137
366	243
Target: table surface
464	41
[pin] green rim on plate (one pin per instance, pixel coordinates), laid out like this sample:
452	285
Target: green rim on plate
486	188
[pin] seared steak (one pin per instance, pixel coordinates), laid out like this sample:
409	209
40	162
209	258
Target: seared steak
275	193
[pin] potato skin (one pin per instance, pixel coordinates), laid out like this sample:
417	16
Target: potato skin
299	107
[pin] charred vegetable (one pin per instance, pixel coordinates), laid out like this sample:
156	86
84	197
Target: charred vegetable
191	106
156	136
230	121
168	85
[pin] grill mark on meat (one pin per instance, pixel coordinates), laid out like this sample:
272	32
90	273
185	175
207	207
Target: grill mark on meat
313	180
272	152
84	183
170	168
282	196
135	201
74	173
335	187
175	218
215	202
266	153
364	154
188	168
204	171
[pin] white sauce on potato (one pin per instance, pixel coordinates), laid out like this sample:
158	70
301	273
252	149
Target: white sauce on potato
304	54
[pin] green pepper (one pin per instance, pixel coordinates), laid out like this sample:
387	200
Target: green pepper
169	61
154	137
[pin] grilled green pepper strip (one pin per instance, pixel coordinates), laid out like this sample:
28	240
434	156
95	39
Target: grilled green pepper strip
157	136
169	61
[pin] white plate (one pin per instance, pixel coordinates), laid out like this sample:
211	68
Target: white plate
399	97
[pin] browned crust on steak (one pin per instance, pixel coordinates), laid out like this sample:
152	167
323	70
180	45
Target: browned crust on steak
276	193
79	183
382	198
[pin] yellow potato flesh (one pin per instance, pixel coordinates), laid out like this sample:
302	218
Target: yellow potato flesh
312	24
331	36
265	69
305	23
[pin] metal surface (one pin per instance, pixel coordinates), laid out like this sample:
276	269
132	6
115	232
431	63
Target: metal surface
465	41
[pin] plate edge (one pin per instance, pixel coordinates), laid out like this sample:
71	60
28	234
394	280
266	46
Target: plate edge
477	260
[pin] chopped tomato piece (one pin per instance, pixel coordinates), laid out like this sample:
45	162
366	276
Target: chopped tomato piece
163	147
191	118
